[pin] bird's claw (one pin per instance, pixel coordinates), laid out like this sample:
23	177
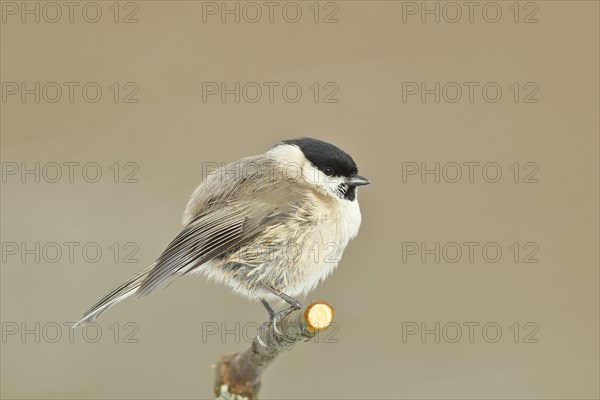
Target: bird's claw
297	305
260	341
275	317
275	328
282	315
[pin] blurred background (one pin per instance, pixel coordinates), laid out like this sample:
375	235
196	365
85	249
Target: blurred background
474	275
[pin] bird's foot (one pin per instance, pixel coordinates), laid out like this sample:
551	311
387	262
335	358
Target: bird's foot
282	315
275	317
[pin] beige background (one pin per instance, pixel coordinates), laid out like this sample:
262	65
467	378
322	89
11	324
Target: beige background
171	132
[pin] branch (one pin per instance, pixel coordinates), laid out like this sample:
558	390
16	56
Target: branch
241	372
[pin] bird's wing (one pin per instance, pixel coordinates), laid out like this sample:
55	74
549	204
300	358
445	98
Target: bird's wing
210	235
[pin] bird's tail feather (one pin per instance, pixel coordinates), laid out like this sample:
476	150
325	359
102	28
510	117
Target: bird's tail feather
120	293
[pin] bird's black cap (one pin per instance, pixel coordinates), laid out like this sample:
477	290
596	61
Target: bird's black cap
325	155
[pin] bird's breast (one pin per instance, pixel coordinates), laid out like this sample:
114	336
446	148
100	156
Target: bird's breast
319	244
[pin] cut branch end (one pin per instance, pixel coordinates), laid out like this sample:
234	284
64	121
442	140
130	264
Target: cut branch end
318	316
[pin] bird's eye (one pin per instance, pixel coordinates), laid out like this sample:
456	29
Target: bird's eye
328	171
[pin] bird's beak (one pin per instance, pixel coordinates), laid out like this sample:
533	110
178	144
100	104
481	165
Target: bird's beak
357	180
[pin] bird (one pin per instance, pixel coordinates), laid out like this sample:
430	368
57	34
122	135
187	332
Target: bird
271	227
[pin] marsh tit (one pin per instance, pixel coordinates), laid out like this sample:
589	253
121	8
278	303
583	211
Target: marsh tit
270	227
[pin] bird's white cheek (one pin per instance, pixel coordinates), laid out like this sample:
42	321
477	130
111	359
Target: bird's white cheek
312	174
352	217
316	177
